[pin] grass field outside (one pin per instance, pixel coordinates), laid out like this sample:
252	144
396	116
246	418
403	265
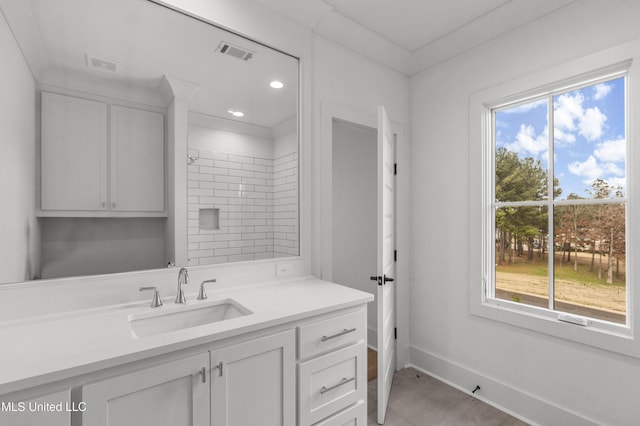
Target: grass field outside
581	287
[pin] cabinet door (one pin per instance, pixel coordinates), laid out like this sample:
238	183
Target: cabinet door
137	160
73	153
253	383
171	394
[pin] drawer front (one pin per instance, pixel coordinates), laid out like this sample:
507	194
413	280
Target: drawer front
352	416
332	382
331	333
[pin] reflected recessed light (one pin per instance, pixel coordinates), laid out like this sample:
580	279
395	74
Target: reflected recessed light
236	113
276	84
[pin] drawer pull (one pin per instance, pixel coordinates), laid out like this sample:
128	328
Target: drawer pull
344	381
203	372
219	368
342	333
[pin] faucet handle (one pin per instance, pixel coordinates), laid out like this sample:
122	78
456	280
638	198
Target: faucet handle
201	294
156	301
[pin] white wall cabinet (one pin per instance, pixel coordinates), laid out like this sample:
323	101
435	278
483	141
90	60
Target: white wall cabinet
100	160
73	154
172	394
253	383
137	181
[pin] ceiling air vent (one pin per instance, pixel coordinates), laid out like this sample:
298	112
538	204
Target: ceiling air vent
101	64
235	51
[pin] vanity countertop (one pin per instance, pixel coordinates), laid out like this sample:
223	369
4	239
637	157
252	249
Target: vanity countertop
44	349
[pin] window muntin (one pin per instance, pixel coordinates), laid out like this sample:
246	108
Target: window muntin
567	240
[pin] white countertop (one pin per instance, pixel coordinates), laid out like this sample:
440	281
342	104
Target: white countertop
43	349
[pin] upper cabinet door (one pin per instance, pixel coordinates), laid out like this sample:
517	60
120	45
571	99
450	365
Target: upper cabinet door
137	160
73	154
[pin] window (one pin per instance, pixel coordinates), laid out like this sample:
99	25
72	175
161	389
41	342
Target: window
560	226
556	176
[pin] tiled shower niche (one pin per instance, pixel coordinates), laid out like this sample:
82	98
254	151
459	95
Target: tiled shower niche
253	200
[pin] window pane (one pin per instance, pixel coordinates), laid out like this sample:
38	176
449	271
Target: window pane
522	271
590	261
589	141
522	148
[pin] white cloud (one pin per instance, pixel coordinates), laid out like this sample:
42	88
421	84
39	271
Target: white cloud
601	91
567	109
562	136
588	169
591	123
527	143
612	169
611	151
618	181
569	116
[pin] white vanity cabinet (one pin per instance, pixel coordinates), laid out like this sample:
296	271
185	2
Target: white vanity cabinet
100	160
306	368
175	393
332	378
253	383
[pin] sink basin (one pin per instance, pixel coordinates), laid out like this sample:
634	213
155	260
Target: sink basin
172	318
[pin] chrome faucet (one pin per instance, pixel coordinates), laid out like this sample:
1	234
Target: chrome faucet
202	295
183	278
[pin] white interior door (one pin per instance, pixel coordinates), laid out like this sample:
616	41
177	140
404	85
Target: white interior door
386	263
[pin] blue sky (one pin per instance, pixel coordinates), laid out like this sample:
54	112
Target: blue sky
589	135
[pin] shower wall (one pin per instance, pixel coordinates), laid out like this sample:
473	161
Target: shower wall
242	205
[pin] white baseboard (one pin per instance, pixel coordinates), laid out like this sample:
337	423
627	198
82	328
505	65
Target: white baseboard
515	402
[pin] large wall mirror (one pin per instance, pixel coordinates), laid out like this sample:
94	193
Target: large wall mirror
92	162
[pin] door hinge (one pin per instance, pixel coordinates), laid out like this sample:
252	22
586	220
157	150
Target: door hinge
395	169
395	255
395	333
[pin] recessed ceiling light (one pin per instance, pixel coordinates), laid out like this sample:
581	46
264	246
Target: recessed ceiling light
236	113
276	84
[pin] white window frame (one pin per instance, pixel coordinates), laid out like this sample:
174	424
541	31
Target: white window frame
608	64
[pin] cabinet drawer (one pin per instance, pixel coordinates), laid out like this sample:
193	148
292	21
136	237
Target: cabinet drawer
331	383
352	416
331	333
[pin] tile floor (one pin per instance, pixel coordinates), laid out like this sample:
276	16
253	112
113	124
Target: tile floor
418	399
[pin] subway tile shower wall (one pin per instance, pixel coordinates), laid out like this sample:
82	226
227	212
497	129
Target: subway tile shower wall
257	204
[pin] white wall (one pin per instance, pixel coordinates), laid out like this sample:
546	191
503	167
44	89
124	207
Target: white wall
542	378
355	210
19	248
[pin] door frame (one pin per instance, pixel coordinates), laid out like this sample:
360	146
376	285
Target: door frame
324	222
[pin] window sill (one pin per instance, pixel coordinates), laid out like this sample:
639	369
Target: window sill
613	338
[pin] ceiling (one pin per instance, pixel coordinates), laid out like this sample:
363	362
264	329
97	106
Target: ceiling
57	37
411	35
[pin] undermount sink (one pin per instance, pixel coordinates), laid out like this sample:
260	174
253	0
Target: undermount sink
173	318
